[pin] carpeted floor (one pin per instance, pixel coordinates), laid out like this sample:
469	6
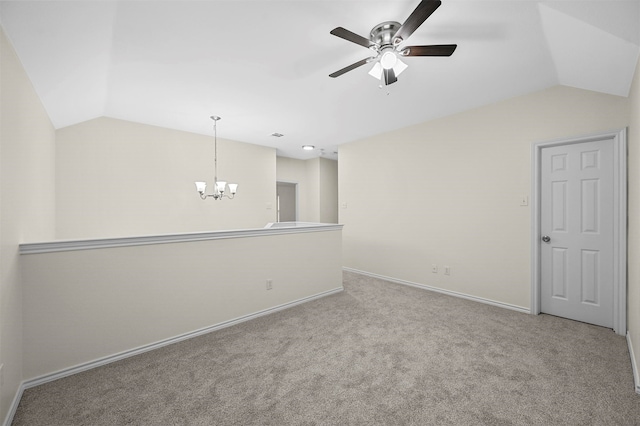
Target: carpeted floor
377	353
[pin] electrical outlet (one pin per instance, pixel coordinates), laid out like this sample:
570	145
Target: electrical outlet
434	268
447	270
269	284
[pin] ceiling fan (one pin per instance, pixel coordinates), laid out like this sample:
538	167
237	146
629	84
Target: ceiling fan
385	40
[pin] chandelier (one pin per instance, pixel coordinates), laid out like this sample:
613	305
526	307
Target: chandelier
219	187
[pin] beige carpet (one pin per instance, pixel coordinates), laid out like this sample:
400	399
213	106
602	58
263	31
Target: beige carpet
377	353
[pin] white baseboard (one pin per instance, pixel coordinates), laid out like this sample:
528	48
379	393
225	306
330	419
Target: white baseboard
634	366
14	406
126	354
440	290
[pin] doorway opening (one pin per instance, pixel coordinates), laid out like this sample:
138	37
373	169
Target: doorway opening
286	202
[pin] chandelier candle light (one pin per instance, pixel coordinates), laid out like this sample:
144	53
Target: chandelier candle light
219	187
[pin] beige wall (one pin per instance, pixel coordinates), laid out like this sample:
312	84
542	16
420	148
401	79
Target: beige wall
118	178
633	301
448	192
328	191
317	181
27	175
84	305
313	198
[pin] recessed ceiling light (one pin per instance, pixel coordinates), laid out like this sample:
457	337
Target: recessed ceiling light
308	147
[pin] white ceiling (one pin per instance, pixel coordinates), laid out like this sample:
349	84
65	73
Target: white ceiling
263	65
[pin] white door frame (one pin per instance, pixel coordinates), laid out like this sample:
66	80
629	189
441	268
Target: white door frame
619	138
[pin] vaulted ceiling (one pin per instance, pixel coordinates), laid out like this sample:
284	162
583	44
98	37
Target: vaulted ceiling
263	65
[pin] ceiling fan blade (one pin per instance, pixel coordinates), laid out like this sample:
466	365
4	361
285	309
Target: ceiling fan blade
389	76
351	36
417	17
351	67
433	50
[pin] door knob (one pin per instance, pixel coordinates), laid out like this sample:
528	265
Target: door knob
546	238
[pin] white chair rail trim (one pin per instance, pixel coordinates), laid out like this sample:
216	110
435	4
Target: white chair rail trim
53	246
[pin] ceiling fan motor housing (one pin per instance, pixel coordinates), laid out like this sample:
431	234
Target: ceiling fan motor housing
382	34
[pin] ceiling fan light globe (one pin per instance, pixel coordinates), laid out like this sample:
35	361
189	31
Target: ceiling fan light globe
388	60
399	67
376	71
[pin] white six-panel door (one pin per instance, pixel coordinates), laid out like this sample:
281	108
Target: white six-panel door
577	232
